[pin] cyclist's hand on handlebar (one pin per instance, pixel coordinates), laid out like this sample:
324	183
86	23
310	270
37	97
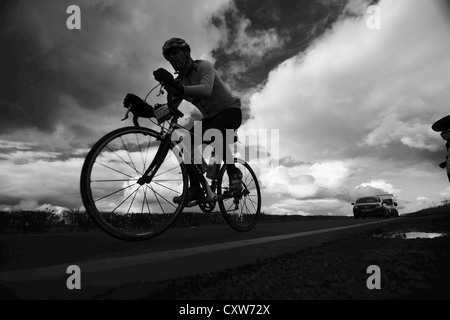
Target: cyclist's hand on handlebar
138	106
166	78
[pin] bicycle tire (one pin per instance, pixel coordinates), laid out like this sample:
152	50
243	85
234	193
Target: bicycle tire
105	169
249	199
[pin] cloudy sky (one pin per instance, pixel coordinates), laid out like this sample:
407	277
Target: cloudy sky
353	106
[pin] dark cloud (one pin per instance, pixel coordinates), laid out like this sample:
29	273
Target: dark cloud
394	152
277	30
43	60
9	200
47	68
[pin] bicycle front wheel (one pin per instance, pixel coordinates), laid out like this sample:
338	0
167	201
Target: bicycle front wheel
240	209
112	195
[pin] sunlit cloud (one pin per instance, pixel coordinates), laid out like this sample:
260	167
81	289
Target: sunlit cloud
41	182
305	181
380	185
360	93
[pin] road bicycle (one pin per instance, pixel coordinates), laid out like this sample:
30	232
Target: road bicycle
131	175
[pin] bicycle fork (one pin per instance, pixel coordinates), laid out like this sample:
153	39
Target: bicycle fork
156	162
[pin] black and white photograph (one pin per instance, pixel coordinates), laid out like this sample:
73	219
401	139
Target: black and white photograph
225	154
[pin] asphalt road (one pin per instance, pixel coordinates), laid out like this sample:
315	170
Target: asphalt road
36	266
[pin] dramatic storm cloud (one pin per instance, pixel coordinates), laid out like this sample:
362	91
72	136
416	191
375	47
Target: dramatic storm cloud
56	74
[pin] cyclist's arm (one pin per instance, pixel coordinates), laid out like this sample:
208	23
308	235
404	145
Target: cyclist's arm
204	88
176	99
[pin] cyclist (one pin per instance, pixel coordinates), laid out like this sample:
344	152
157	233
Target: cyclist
446	136
200	84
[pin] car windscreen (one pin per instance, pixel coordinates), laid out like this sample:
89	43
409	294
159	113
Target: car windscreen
389	202
367	200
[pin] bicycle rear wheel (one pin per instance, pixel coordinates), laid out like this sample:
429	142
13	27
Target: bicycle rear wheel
111	195
240	209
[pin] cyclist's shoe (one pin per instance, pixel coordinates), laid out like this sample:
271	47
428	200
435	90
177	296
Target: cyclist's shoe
235	177
193	193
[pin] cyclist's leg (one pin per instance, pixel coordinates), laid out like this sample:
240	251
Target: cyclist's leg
193	180
194	189
227	122
227	119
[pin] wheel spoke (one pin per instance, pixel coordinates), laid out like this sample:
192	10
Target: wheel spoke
129	156
145	198
132	201
124	200
146	201
134	169
166	171
159	184
115	170
161	196
114	180
146	154
114	192
246	184
245	202
252	202
157	199
140	150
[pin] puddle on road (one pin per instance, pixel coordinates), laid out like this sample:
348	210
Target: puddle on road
410	235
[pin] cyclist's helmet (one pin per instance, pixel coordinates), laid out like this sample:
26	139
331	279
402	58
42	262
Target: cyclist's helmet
175	43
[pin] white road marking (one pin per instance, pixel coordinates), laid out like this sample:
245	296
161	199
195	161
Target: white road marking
129	261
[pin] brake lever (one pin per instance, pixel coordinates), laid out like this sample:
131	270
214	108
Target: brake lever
126	114
161	91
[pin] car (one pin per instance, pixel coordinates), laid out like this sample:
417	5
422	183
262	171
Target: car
391	204
371	206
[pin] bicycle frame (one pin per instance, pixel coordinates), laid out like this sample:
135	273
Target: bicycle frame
166	138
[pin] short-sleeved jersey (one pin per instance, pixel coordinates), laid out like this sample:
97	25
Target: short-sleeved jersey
205	89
